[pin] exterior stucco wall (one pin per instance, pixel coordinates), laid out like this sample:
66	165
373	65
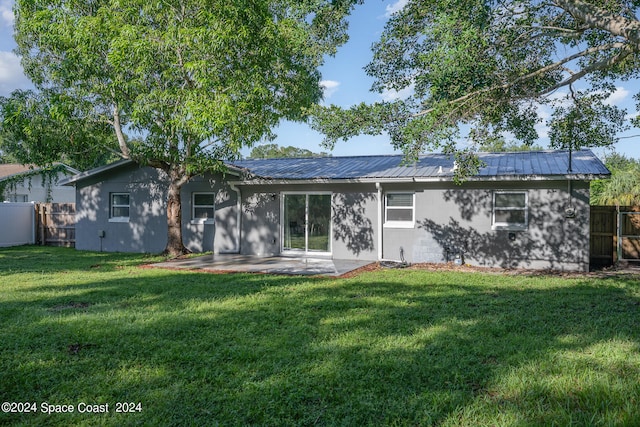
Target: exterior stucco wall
260	221
221	235
354	218
452	219
146	230
449	219
355	222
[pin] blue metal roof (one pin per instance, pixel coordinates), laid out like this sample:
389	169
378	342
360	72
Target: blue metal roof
429	166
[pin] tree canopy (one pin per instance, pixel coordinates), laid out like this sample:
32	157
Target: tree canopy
191	81
38	129
271	151
490	65
623	188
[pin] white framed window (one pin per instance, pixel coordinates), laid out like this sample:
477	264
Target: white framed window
18	198
203	207
510	210
399	210
119	206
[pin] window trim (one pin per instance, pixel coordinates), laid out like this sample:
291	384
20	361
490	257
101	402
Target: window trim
506	225
14	198
195	220
112	205
400	224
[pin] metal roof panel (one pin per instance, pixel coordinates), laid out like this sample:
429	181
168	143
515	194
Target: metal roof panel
525	163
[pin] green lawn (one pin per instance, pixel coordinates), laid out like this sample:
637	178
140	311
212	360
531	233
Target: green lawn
392	347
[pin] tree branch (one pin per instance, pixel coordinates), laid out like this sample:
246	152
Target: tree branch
118	128
596	17
600	65
543	70
533	29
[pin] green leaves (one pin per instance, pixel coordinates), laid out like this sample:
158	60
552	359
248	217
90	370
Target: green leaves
195	80
588	121
183	74
623	188
490	66
266	151
48	127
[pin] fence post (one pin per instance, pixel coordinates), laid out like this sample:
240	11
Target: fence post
43	220
618	234
34	224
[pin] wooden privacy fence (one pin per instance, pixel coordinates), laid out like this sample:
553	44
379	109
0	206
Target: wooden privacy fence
628	238
56	224
615	235
603	232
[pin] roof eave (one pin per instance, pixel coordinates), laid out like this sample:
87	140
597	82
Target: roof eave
449	178
96	171
535	177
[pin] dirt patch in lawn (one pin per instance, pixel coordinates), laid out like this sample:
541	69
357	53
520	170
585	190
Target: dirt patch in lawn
609	272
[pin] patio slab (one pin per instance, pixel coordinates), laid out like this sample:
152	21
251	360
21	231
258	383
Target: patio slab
307	266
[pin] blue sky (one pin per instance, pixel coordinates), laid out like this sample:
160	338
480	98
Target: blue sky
343	76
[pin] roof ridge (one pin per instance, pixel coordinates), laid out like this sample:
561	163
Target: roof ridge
424	155
319	157
549	150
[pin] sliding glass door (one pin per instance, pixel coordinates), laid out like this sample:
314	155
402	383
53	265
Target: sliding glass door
306	223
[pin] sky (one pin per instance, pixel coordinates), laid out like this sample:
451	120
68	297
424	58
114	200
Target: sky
343	78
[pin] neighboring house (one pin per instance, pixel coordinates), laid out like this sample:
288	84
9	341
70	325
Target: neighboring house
526	209
28	183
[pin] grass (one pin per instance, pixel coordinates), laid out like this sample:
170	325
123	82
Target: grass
391	347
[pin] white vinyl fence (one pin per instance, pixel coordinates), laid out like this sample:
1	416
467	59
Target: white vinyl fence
17	224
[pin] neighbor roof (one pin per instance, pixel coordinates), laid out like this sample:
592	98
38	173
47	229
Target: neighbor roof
8	170
513	165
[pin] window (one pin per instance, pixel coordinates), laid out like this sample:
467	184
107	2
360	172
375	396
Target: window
18	198
510	211
399	210
119	207
202	206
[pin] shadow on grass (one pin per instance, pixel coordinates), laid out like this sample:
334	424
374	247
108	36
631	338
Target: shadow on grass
48	259
408	348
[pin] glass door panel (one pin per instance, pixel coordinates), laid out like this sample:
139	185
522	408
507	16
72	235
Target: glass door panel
294	221
319	210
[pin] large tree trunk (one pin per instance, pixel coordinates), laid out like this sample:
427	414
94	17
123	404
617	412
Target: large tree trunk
175	247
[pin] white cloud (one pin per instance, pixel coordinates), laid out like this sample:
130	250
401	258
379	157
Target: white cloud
395	7
329	87
11	75
6	13
617	97
392	94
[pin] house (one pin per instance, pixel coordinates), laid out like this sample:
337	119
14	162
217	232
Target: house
29	183
525	209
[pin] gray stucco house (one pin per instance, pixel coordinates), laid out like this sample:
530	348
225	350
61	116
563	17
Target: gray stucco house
29	183
525	209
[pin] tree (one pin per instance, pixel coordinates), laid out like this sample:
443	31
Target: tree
193	80
490	65
5	156
271	151
623	188
38	130
499	144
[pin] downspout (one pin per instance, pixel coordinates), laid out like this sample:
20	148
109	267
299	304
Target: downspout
238	216
380	214
569	211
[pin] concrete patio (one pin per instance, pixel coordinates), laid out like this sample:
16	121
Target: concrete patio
308	266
